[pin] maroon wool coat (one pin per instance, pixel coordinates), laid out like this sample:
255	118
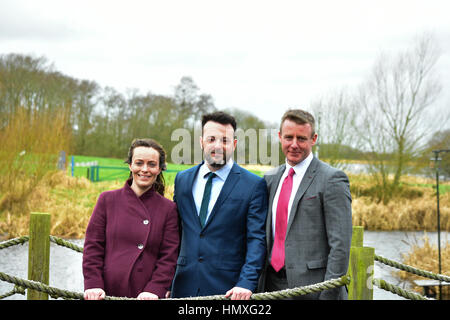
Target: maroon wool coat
131	243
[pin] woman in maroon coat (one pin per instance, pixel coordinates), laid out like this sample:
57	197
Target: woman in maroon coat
131	244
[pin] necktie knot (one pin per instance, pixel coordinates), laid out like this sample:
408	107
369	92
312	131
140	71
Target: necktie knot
210	175
291	172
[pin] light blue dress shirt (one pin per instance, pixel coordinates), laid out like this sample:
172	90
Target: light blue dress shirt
217	183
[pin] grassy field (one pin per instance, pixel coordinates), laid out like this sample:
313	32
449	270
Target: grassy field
116	169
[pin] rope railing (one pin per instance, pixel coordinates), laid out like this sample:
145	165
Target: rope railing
66	244
23	239
13	242
382	284
16	290
288	293
416	271
20	284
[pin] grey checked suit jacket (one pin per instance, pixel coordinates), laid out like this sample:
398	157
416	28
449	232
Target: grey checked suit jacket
319	230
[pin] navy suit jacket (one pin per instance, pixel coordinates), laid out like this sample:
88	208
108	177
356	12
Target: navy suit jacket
230	249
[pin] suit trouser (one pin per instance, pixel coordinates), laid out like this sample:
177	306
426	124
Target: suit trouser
276	281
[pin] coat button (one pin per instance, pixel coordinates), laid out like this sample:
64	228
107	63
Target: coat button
200	259
145	221
140	246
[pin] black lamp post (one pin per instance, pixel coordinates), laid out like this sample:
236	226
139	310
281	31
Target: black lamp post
436	163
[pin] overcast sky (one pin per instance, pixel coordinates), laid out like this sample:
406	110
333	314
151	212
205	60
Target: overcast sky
260	56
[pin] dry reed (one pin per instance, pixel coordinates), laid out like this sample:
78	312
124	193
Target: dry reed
30	145
425	256
402	214
69	200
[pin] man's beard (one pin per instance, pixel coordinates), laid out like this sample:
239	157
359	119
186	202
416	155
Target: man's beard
213	162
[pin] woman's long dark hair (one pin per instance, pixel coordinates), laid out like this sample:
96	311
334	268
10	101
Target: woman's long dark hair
160	183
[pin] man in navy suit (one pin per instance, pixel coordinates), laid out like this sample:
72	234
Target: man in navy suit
222	209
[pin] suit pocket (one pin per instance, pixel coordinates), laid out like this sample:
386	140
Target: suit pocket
317	264
311	201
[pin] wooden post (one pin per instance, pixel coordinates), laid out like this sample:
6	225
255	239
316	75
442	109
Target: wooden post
360	268
357	236
39	253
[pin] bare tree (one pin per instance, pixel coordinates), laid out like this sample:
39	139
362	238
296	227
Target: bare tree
85	102
191	104
335	115
394	104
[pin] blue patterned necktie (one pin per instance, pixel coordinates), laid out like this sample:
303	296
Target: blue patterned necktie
206	197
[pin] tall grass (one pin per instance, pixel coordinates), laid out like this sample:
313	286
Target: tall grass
412	209
30	144
69	200
404	214
425	256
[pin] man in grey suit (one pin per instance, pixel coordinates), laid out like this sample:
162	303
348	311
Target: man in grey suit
309	222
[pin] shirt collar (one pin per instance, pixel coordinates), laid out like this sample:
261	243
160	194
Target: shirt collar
222	173
300	167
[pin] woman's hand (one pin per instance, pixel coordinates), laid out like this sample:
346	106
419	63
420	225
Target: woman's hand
147	296
94	294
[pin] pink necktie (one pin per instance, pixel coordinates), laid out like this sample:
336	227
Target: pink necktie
277	260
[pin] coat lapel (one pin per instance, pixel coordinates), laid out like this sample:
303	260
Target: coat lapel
189	186
230	183
304	184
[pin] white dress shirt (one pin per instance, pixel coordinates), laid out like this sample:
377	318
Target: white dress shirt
300	169
217	183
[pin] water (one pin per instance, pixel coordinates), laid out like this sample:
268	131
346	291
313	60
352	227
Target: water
66	270
65	267
391	244
360	168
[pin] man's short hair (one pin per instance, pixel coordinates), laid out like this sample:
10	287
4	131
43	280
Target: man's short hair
300	117
220	117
